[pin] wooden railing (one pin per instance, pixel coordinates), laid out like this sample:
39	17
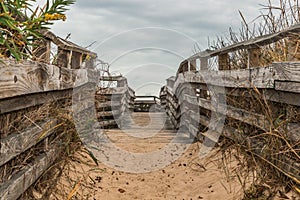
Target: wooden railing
247	101
113	101
147	104
30	136
252	48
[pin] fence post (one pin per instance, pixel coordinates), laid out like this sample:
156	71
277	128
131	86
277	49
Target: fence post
192	65
204	63
223	61
41	50
254	57
293	48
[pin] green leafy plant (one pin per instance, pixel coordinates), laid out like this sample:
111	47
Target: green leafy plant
21	23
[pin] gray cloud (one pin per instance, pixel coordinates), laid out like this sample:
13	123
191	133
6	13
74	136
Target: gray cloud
98	20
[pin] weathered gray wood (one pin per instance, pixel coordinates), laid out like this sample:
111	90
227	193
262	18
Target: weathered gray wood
287	71
63	57
17	143
25	101
294	131
293	48
172	119
31	77
269	94
20	182
263	77
107	113
76	60
252	43
204	63
223	61
172	102
112	78
113	91
232	78
28	77
288	86
254	119
108	104
83	76
282	97
40	88
42	50
253	57
131	93
67	45
106	123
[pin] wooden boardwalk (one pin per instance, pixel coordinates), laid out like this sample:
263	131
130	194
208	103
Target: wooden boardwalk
146	132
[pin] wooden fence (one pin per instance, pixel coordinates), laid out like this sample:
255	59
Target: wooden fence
29	92
113	100
147	104
240	103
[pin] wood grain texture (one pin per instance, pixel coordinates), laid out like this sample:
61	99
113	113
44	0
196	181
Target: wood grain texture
20	182
262	77
31	77
288	86
252	43
15	144
25	101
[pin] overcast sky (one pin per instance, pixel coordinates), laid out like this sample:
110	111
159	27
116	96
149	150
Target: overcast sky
145	40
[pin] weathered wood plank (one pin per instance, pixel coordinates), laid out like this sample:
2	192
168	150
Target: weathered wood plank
67	45
31	77
294	131
108	114
226	78
131	92
269	94
288	86
262	77
63	58
265	77
112	91
28	77
253	57
25	101
171	81
223	61
76	60
17	143
20	182
172	102
106	123
254	119
112	78
108	104
252	43
42	50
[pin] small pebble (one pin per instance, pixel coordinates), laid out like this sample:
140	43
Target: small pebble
121	190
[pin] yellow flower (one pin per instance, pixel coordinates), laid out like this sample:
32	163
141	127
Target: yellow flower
55	16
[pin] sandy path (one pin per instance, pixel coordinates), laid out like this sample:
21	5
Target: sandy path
183	179
186	178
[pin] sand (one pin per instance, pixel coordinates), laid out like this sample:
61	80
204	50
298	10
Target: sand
187	178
